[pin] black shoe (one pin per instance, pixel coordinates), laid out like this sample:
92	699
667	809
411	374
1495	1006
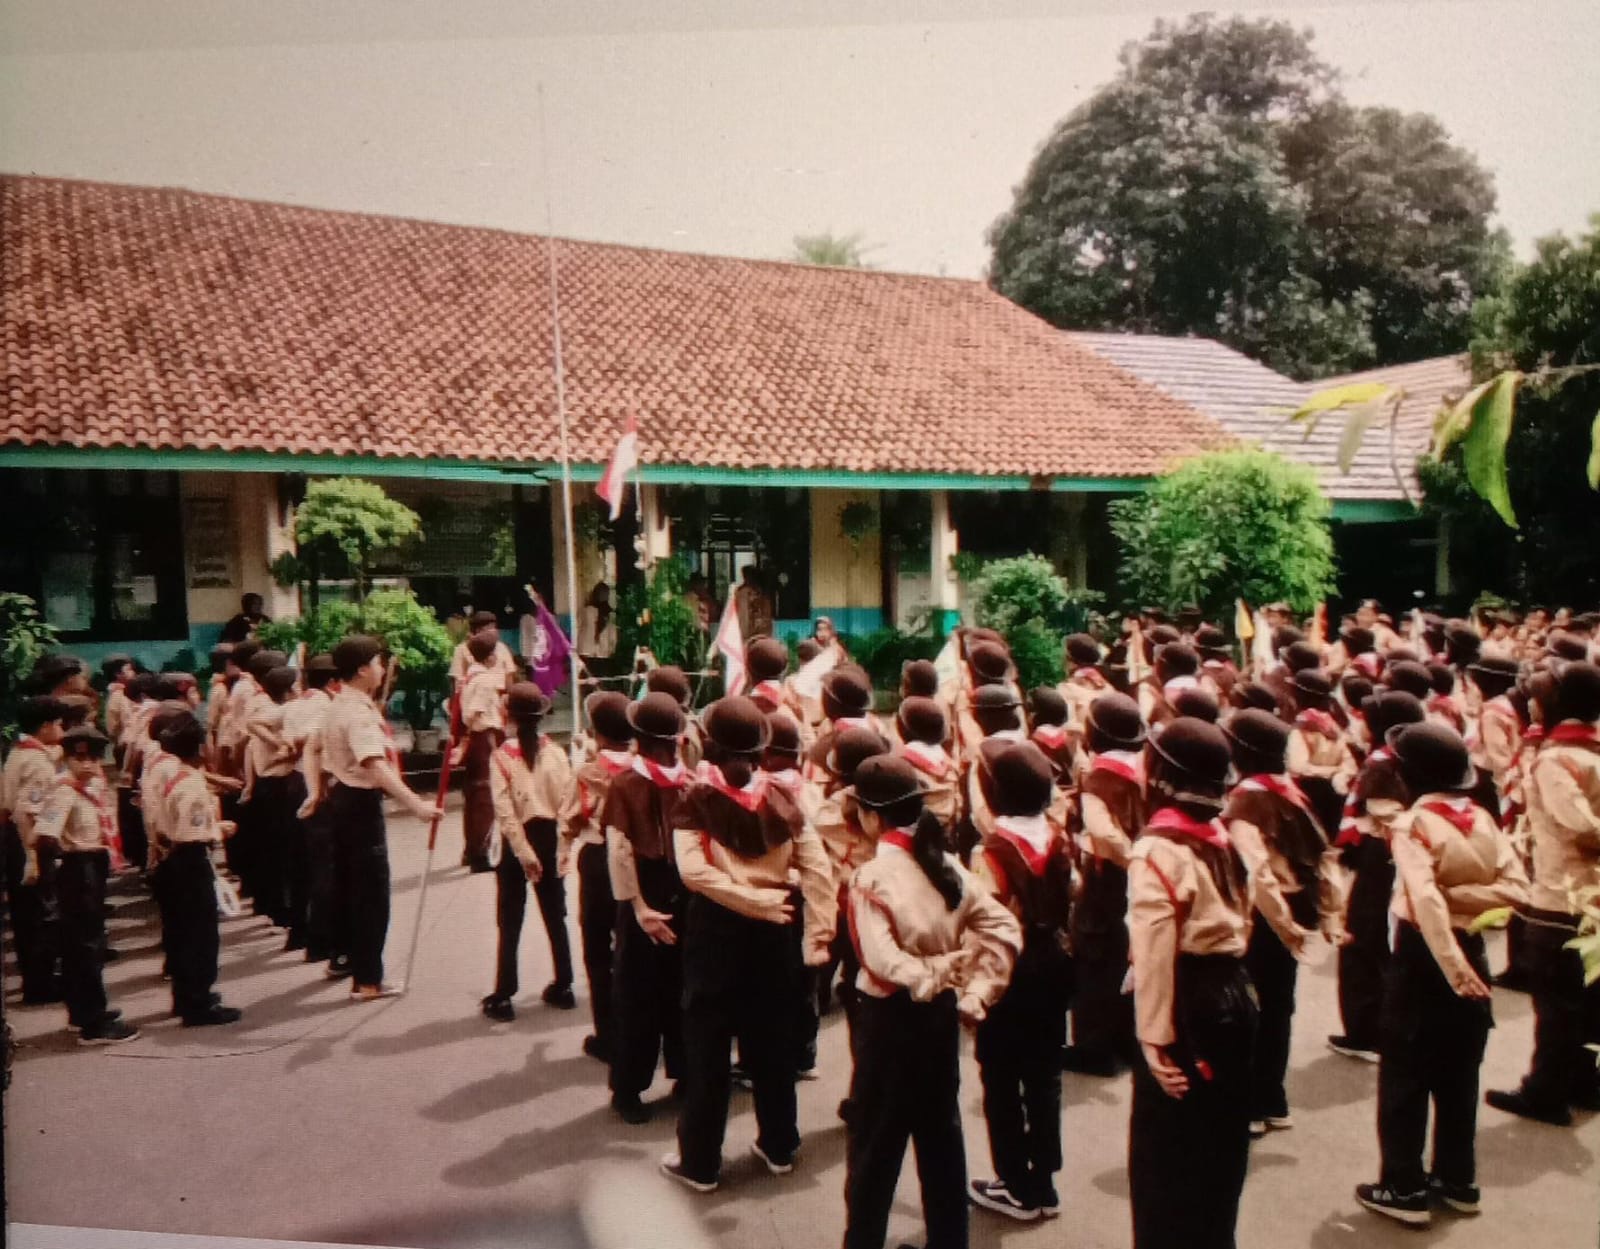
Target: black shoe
1352	1047
630	1109
994	1195
477	867
108	1032
1516	1102
1585	1099
42	997
1088	1062
1049	1202
338	967
594	1047
213	1016
672	1168
112	1012
293	943
846	1109
1462	1198
1515	981
111	955
775	1163
560	996
1409	1208
314	955
498	1009
740	1077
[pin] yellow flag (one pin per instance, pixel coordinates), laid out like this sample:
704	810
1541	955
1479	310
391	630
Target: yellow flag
1243	625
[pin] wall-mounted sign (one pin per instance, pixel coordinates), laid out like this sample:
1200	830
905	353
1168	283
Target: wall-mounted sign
209	548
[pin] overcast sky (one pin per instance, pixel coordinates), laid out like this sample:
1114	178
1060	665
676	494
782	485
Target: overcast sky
716	125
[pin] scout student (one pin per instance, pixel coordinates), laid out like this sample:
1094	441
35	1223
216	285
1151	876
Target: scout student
501	661
1189	926
267	805
647	984
1354	690
1110	812
355	754
159	770
78	822
1295	891
919	678
1564	817
673	681
736	839
118	671
922	728
484	723
1410	676
995	714
583	839
140	704
217	702
1025	864
25	786
1496	731
846	703
1176	668
1376	797
1443	705
807	706
766	661
781	766
1218	672
529	778
1047	729
241	688
1319	756
1453	863
1085	682
191	824
936	950
988	667
312	881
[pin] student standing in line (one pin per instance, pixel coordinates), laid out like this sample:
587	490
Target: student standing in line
936	952
311	860
483	720
529	776
30	775
1189	909
735	839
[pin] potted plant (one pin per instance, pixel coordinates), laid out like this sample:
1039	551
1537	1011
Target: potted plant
420	648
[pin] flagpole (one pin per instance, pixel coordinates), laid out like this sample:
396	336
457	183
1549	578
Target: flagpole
561	413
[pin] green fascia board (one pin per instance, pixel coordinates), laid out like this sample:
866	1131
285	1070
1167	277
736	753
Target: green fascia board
1373	511
13	455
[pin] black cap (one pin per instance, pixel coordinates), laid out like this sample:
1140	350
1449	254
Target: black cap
657	715
1299	656
922	720
1254	694
1578	693
766	659
1199	703
1115	723
990	663
1312	685
264	661
783	734
846	693
525	701
1196	751
1178	660
844	753
919	678
993	698
1411	677
885	781
279	682
1083	651
1391	709
1260	740
607	711
1046	706
85	739
669	680
1433	758
736	726
1358	640
1211	641
1021	779
1356	688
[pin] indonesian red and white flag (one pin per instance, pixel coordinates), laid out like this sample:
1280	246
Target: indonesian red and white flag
730	645
614	484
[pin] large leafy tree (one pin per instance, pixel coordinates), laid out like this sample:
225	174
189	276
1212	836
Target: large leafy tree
1221	185
1226	525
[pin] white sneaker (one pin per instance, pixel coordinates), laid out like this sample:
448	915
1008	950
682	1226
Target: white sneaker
1280	1123
672	1168
775	1165
1258	1129
367	993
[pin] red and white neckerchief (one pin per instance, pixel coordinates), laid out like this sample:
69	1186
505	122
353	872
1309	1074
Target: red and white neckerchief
1172	820
751	796
1574	733
1007	735
1350	830
615	762
1280	784
789	780
675	777
895	839
1177	685
1128	764
1031	835
1368	664
29	742
1092	677
845	723
772	691
1461	812
1050	736
1317	722
98	798
931	761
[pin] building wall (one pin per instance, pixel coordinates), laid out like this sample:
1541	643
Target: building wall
847	587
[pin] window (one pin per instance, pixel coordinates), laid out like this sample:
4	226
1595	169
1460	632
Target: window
722	529
101	552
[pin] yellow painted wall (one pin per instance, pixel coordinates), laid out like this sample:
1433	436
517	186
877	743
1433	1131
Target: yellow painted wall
253	535
837	580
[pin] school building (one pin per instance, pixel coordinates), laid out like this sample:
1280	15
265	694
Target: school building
178	366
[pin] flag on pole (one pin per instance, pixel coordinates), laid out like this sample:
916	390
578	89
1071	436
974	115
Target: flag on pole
1243	626
1261	657
1319	625
730	645
948	662
614	484
547	654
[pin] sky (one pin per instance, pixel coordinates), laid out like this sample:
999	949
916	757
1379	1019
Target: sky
717	125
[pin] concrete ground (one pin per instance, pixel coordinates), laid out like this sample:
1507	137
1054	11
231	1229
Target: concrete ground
417	1123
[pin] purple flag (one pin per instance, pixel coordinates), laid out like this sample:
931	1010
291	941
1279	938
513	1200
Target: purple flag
547	656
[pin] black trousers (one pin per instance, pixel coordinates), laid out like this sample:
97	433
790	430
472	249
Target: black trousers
1566	1016
904	1087
1102	1015
187	886
597	921
81	886
130	826
1363	961
327	918
271	817
363	847
477	812
1187	1156
1432	1048
1274	971
737	985
35	918
1019	1060
804	1021
511	905
297	861
647	1003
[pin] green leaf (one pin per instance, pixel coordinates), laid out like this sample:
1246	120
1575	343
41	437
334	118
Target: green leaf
1355	429
1499	917
1594	454
1452	423
1483	448
1355	395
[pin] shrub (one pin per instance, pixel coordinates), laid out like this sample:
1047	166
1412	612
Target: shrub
1033	608
320	629
420	645
884	652
658	614
1226	525
25	638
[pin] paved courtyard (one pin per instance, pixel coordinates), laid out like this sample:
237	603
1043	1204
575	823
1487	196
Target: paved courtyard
416	1123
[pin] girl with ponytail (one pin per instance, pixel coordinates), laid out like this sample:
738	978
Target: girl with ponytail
936	950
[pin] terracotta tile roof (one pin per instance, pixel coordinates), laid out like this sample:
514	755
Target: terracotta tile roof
1253	402
170	319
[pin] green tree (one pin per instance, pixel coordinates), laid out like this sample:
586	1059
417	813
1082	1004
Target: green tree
1226	525
340	524
1221	185
659	615
838	251
1029	604
420	648
25	638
